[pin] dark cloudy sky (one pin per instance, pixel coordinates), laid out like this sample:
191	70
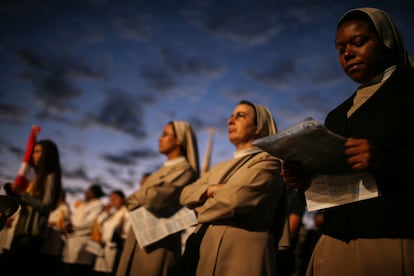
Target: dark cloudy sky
102	78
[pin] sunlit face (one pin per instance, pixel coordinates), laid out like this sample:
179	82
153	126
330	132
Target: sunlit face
88	195
116	201
37	154
361	53
242	130
167	141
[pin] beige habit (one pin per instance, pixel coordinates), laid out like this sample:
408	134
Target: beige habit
246	216
160	195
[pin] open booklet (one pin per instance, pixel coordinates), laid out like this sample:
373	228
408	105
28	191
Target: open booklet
148	228
321	152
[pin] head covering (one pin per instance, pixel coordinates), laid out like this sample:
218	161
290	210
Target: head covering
265	123
186	135
387	31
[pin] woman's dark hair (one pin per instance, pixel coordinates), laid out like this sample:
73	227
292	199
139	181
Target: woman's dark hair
49	163
96	190
119	193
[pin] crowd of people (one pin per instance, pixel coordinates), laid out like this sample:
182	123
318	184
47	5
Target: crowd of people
250	210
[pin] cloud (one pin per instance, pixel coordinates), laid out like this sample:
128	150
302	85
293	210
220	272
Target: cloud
54	81
18	152
13	113
279	77
190	65
238	93
77	173
302	15
314	101
122	112
104	76
199	122
158	79
64	66
135	25
244	26
129	157
31	59
124	181
53	92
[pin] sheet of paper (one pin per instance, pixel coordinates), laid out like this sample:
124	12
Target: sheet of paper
321	152
309	143
148	228
328	191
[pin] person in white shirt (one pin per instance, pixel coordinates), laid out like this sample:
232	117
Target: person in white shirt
77	260
113	225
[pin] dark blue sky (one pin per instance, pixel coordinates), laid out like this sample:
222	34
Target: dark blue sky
102	78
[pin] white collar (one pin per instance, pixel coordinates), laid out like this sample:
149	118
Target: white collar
381	77
244	152
174	161
388	72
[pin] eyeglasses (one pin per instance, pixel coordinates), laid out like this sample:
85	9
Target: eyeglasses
238	115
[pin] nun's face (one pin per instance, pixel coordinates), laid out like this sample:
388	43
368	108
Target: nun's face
361	54
167	141
241	127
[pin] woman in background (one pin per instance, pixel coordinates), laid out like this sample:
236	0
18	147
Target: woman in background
37	201
112	225
77	260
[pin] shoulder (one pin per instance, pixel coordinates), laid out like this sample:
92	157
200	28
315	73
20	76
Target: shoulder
402	81
265	159
124	209
53	178
185	167
263	155
53	181
405	73
222	163
173	171
94	203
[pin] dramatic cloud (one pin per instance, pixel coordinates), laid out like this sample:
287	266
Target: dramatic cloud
102	78
122	112
129	157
